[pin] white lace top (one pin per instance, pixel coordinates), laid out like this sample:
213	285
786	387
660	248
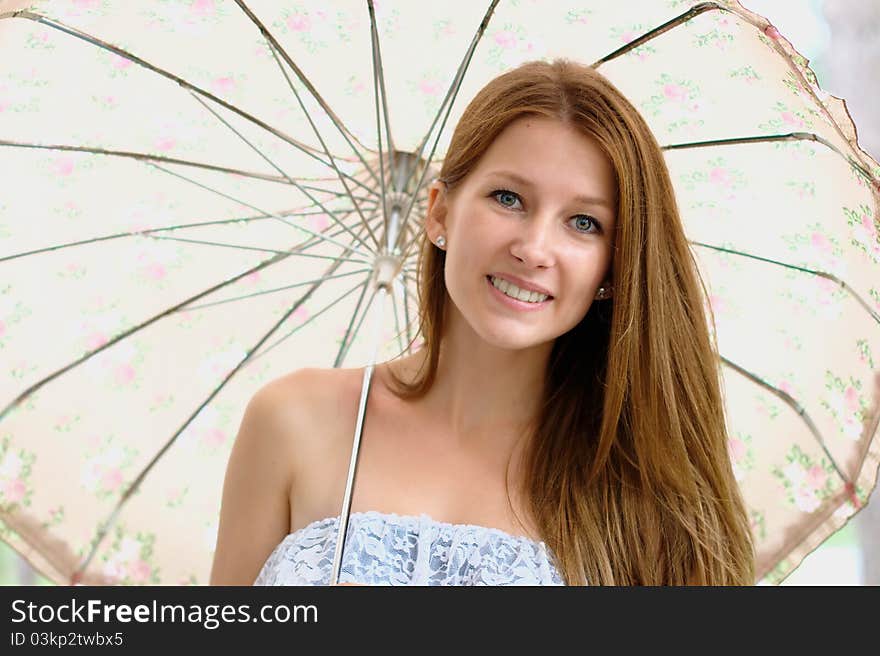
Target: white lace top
389	549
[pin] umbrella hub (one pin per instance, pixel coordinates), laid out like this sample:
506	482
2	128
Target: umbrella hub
385	269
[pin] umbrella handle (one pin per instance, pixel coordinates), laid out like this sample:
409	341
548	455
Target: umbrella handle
356	444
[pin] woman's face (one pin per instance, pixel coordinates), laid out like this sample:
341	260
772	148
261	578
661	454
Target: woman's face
538	211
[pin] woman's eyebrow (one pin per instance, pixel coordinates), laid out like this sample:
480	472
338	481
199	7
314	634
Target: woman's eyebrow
515	177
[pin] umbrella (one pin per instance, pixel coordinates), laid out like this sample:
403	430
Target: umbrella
190	186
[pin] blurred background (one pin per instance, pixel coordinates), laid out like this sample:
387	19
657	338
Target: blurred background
840	38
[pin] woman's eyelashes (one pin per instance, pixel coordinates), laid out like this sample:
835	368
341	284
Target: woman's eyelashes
507	199
498	194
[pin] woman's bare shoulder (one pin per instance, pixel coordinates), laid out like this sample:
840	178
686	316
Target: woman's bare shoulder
310	401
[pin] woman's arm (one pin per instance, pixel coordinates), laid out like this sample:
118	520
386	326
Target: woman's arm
255	507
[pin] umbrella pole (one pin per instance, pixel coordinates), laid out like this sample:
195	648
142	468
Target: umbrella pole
356	444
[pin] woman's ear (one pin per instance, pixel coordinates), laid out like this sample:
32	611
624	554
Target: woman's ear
435	217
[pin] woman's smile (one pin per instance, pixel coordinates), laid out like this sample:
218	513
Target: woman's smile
515	303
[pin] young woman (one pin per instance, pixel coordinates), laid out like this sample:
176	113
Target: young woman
563	422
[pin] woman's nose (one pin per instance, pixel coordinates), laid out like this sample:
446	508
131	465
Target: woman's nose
533	242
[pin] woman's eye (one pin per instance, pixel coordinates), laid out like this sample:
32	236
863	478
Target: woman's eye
582	222
505	197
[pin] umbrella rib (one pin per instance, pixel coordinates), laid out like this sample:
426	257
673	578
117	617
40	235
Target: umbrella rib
790	136
273	42
249	358
326	149
377	54
136	328
288	178
829	276
406	318
272	290
714	6
797	407
379	91
373	49
694	11
339	354
341	176
257	249
309	320
459	73
397	320
271	214
168	160
289	334
806	85
448	102
57	25
849	485
347	344
147	231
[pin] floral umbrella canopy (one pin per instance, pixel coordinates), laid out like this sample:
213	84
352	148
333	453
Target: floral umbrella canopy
202	195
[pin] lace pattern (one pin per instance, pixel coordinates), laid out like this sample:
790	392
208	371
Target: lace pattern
390	549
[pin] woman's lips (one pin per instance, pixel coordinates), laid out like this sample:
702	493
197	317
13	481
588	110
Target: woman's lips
514	303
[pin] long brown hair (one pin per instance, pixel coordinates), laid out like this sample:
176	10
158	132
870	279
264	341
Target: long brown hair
627	472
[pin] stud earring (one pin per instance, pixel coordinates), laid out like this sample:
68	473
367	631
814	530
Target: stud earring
603	293
441	241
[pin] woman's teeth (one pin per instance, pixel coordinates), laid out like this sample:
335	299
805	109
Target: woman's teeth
513	291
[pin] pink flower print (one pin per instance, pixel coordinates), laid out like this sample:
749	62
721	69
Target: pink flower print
791	119
851	396
139	571
821	242
506	39
721	177
737	449
771	32
156	271
816	477
253	278
786	387
675	92
214	437
299	23
868	224
96	340
626	37
429	87
301	314
806	500
223	84
124	374
14	490
203	7
64	165
120	62
166	143
319	222
717	303
112	479
826	288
